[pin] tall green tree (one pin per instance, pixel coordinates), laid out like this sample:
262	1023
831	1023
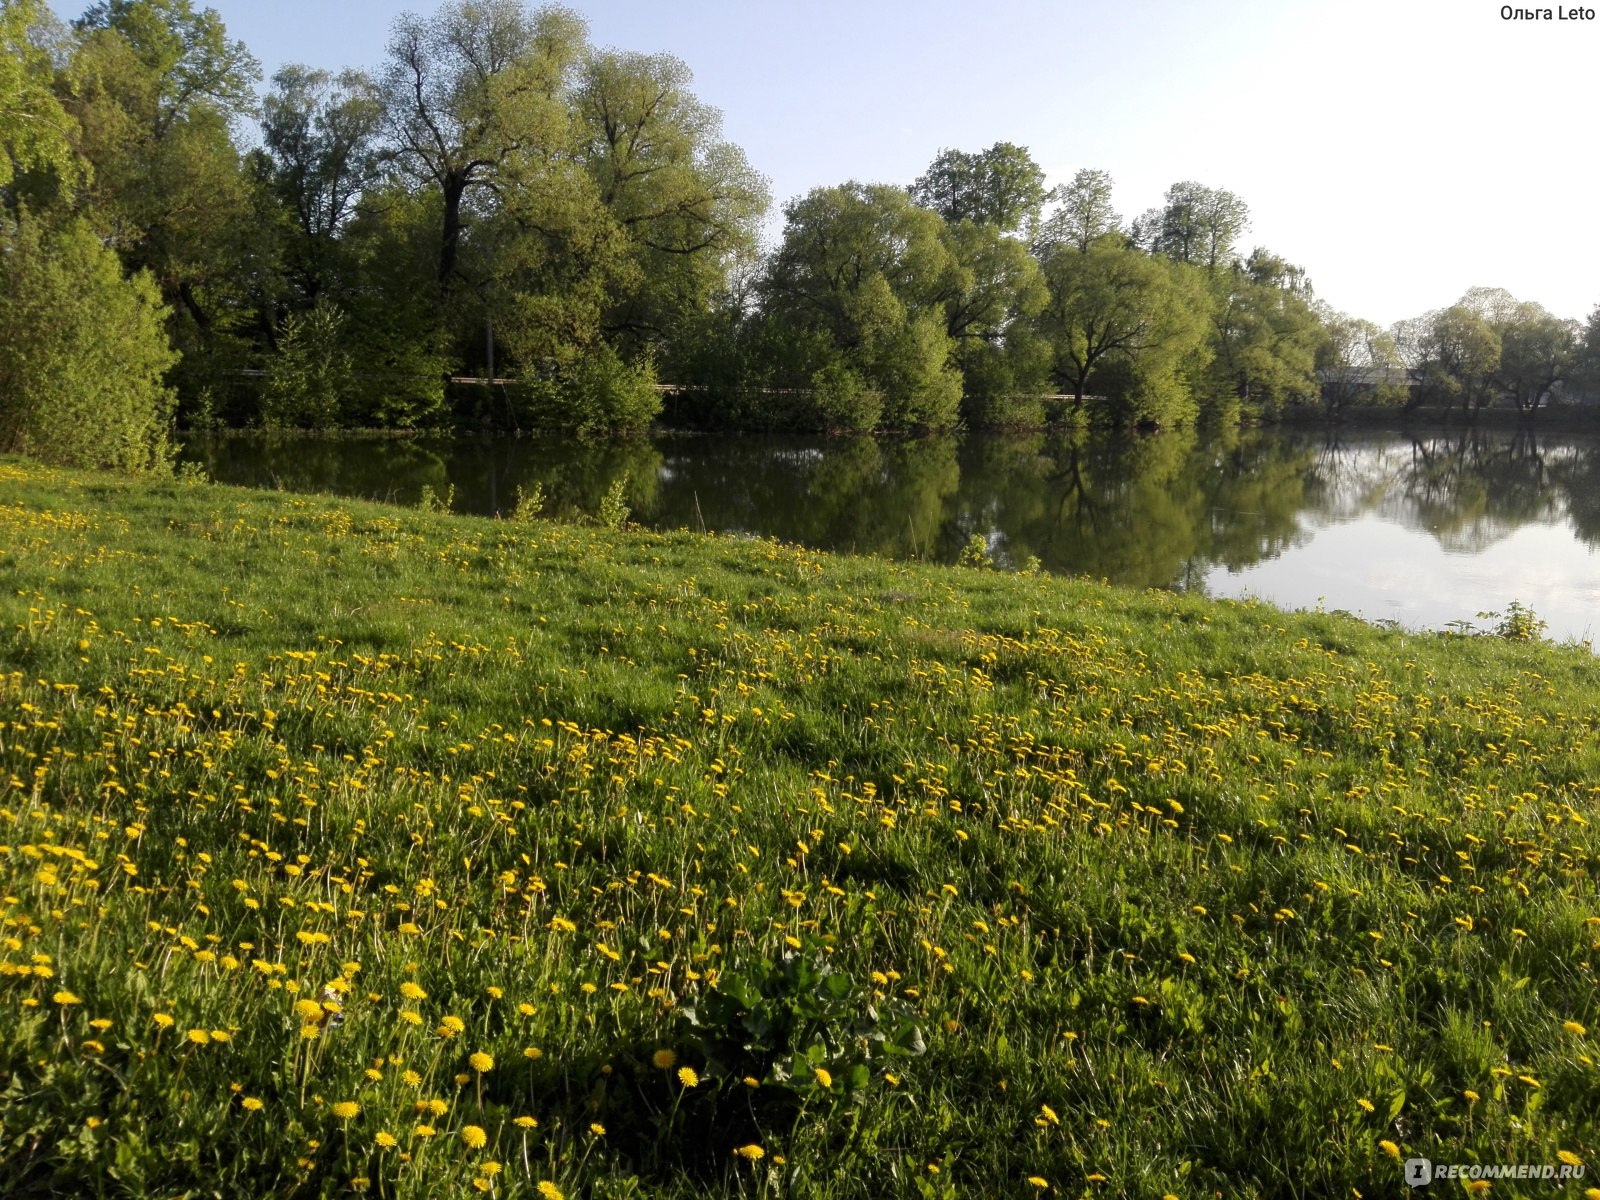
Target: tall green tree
1358	363
989	293
687	202
476	101
1264	338
36	134
1126	325
1198	224
84	353
1001	186
1538	351
856	289
320	131
1083	214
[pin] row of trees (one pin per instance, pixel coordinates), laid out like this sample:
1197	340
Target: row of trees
503	200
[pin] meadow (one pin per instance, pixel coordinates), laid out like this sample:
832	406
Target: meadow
350	849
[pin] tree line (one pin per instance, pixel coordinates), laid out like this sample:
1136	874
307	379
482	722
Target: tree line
501	200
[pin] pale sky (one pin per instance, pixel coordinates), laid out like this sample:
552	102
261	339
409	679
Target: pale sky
1402	151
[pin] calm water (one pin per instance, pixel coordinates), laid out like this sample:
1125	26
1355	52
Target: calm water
1420	529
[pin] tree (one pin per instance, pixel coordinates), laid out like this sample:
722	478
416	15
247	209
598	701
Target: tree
84	352
476	101
1083	214
1126	324
991	289
1537	352
1198	225
1001	186
36	135
688	202
320	132
1357	363
1459	353
857	282
1265	337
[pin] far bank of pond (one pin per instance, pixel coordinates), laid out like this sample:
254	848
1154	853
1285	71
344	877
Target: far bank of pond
1424	528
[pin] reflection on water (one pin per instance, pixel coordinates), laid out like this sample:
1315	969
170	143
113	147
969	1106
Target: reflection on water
1425	529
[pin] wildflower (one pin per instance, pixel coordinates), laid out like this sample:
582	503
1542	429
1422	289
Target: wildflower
311	1032
100	1023
489	1168
308	1010
1575	1029
1366	1105
1049	1114
481	1062
410	1078
474	1137
823	1078
346	1109
750	1081
410	1016
1472	1096
597	1129
550	1191
199	1037
411	991
163	1019
65	998
424	1131
751	1153
1389	1148
532	1052
664	1060
1568	1157
526	1123
687	1077
250	1104
1039	1181
386	1140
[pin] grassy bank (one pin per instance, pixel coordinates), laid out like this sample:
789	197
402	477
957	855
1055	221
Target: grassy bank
349	848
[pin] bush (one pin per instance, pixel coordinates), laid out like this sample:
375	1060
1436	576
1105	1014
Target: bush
309	376
84	354
599	396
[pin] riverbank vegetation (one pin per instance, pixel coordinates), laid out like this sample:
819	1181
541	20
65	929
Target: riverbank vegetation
544	860
501	200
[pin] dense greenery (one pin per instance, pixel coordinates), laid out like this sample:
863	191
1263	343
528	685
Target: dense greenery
555	861
500	199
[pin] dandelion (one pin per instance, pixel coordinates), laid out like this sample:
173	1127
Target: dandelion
199	1037
597	1129
688	1077
481	1062
822	1076
164	1020
1472	1096
664	1060
1039	1181
250	1104
1574	1028
550	1191
1569	1158
474	1137
526	1123
1366	1105
532	1052
489	1168
311	1032
65	998
346	1109
308	1010
751	1153
385	1140
1049	1114
411	991
1389	1148
424	1131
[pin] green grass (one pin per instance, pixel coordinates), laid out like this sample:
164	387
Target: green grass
937	880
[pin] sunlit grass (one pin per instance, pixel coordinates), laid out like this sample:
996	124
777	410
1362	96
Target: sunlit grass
349	848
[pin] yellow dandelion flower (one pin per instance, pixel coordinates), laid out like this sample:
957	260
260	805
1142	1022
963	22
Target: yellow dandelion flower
1039	1181
532	1052
199	1037
489	1168
100	1023
412	991
1049	1114
688	1077
1389	1148
424	1131
474	1137
410	1078
550	1191
664	1060
597	1129
308	1010
1472	1096
65	998
1574	1028
526	1123
1568	1157
481	1062
751	1153
386	1140
163	1019
311	1032
410	1016
822	1077
250	1104
346	1109
1366	1105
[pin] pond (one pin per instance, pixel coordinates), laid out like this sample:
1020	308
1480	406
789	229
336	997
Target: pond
1424	529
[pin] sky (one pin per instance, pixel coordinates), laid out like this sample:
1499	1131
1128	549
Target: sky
1402	151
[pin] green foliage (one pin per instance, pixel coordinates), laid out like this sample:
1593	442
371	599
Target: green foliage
432	502
311	373
529	503
598	396
1265	337
976	553
1518	623
35	132
613	511
1000	187
84	353
842	402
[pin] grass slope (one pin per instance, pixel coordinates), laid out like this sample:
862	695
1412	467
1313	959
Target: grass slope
353	849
